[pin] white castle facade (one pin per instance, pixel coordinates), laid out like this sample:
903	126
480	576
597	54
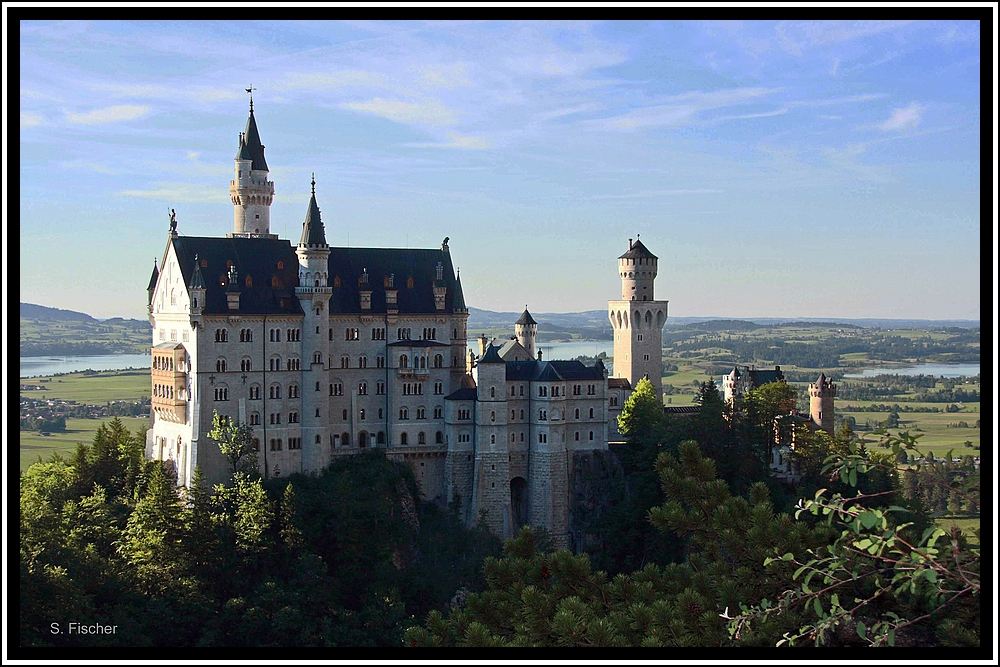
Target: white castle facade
327	351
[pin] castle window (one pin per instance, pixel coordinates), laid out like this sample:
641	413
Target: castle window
576	413
409	282
293	391
255	392
576	436
542	390
380	388
493	416
363	362
344	415
275	283
542	437
521	391
591	435
522	414
254	418
249	281
363	388
345	361
592	413
438	412
336	281
522	436
317	357
281	265
361	414
439	438
246	365
220	365
380	438
493	392
421	438
336	389
438	361
493	441
404	413
317	412
403	438
274	391
421	413
403	361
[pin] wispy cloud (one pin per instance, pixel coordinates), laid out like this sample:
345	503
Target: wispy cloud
683	109
163	92
113	114
29	119
445	76
93	166
645	194
850	99
333	80
181	193
425	112
902	119
457	140
764	114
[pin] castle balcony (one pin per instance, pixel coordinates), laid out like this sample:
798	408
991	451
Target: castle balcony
413	373
314	290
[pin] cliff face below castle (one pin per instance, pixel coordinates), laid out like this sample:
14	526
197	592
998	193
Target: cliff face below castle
594	477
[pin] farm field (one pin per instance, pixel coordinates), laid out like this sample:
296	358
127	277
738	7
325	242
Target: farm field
34	445
966	524
93	388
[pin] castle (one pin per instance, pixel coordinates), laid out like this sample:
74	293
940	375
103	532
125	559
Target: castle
327	351
821	408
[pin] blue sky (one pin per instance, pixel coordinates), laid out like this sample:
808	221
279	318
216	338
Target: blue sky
801	169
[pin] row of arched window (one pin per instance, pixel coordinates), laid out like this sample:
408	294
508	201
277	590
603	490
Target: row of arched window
163	391
163	364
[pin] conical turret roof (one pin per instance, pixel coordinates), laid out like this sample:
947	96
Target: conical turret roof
251	137
197	281
637	250
153	278
458	302
526	318
313	232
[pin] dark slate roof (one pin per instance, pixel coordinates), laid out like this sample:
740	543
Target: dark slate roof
153	278
458	300
526	318
491	356
254	258
762	377
619	383
168	346
463	394
347	264
417	343
243	153
256	149
638	250
313	233
821	379
552	371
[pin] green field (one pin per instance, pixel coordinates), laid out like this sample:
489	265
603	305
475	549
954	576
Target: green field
34	445
966	524
932	427
93	389
47	336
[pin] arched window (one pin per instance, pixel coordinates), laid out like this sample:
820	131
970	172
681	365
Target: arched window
438	361
362	362
345	361
591	435
363	388
403	361
403	438
493	392
380	438
254	392
404	413
246	365
592	413
336	281
345	439
220	365
421	438
439	438
576	413
576	436
409	282
493	438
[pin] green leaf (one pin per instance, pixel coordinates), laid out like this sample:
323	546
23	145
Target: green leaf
861	630
853	477
834	601
788	556
818	606
892	636
868	519
863	544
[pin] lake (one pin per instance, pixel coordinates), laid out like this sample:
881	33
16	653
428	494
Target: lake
936	370
50	365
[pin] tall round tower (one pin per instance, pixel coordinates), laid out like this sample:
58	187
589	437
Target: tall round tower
637	269
250	190
821	395
525	329
637	319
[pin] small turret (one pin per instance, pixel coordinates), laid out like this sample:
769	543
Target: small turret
458	302
233	288
821	403
525	329
250	191
196	288
152	281
637	269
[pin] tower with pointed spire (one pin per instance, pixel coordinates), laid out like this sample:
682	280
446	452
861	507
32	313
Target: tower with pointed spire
524	330
638	319
314	295
250	190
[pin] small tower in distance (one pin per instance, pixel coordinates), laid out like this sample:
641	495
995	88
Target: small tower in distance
821	395
525	329
250	190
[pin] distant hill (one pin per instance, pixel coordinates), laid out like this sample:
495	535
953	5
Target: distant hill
33	311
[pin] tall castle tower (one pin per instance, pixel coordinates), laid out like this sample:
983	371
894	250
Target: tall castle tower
250	190
638	319
314	295
491	481
821	395
525	329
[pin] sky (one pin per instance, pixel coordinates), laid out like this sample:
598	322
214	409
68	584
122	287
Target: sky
776	168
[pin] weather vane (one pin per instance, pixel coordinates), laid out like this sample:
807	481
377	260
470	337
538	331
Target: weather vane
250	93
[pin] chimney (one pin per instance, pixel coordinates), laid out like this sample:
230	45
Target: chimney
539	355
630	244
